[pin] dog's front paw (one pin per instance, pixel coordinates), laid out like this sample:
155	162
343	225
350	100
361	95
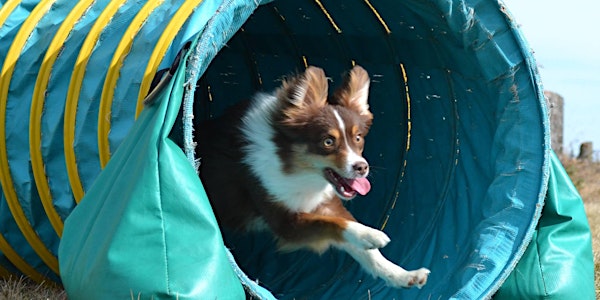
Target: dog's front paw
407	279
364	237
418	277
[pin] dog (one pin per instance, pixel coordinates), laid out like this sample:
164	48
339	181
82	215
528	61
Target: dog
284	162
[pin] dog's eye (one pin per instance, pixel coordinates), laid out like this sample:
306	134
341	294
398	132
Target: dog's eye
358	138
328	142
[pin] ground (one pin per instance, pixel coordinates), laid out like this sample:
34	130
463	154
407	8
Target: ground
21	288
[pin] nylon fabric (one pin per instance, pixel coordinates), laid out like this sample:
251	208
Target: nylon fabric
459	149
37	107
559	263
11	259
20	191
111	22
142	238
228	19
446	181
115	65
32	220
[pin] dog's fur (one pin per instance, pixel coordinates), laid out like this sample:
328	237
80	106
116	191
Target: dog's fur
283	161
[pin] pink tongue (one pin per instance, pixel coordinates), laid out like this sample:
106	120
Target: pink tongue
360	185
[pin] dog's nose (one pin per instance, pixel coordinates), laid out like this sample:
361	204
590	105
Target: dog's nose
361	168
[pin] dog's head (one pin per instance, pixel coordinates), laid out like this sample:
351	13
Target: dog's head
325	134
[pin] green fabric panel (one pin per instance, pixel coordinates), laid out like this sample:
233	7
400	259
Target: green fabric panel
558	264
145	230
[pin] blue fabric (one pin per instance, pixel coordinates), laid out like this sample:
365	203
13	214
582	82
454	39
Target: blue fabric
18	107
142	240
231	15
559	261
86	123
53	115
226	22
460	163
461	192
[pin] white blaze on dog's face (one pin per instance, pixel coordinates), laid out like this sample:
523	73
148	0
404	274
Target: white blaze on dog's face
326	134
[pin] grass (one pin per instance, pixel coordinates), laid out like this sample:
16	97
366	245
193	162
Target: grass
585	176
25	289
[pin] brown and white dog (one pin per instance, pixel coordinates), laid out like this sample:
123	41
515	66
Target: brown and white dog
283	161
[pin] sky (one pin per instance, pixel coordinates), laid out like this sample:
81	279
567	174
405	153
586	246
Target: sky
565	38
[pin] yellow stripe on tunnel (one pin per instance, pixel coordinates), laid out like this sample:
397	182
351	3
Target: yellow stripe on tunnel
73	94
108	90
5	247
8	187
165	40
37	107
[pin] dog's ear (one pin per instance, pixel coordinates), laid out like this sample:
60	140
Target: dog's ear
354	92
316	87
304	94
308	89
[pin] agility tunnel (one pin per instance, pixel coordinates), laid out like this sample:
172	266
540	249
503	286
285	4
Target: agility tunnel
100	194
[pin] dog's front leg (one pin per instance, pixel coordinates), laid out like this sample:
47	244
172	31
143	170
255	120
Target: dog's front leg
318	232
377	265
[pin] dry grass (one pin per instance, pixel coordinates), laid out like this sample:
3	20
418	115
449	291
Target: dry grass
25	289
585	176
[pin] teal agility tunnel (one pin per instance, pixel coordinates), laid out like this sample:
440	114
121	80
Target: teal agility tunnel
101	195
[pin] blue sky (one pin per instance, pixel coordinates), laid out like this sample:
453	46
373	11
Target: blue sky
565	38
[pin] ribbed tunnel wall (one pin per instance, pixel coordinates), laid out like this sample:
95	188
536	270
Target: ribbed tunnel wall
459	143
